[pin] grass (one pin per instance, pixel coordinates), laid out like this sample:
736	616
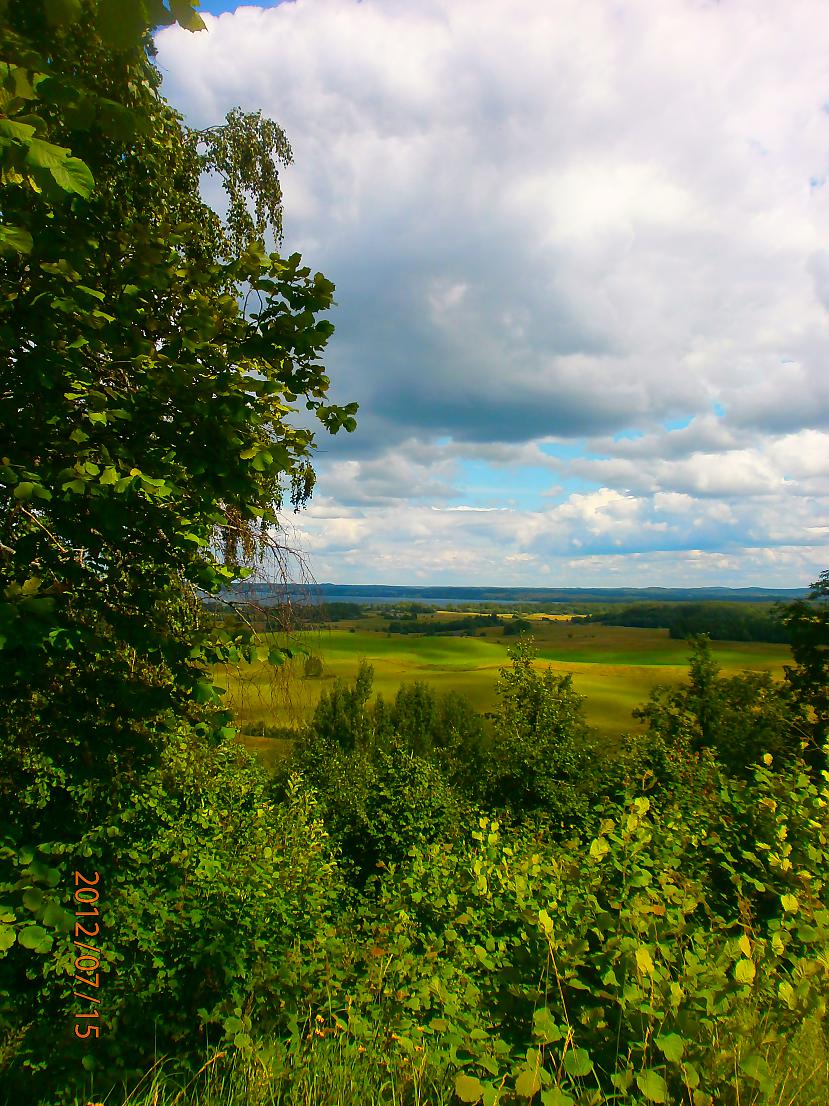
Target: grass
340	1071
615	667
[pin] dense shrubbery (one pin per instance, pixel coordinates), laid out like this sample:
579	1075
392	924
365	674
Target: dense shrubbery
519	916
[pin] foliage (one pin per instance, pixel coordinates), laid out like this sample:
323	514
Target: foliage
148	440
807	623
517	626
730	621
436	626
211	900
738	718
595	944
541	749
602	963
381	774
342	717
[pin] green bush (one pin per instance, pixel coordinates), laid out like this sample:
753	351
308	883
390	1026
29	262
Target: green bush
541	754
211	901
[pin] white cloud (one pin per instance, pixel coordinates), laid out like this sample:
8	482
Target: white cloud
557	221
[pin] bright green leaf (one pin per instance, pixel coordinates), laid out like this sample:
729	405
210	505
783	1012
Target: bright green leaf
652	1085
745	971
468	1088
15	240
644	961
35	938
528	1083
671	1045
555	1096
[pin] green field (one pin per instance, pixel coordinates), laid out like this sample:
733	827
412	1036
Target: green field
615	667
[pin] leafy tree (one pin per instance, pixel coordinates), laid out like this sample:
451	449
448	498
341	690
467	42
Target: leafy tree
414	715
342	718
146	415
150	360
738	719
541	750
807	622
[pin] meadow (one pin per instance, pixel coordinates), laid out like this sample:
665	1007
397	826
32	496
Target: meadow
614	667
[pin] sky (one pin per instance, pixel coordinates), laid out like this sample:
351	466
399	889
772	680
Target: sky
581	251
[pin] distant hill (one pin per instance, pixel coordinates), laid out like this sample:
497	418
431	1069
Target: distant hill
267	593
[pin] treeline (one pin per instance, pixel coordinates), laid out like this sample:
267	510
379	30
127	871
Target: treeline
435	626
719	621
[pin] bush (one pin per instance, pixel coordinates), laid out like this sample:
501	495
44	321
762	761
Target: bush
540	758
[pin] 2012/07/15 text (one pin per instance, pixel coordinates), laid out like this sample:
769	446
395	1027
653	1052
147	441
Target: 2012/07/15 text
88	961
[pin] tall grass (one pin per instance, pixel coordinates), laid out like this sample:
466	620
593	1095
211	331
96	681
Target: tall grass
339	1071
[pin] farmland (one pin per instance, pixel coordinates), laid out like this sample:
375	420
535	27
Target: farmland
614	667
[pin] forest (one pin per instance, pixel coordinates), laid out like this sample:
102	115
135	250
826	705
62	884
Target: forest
720	621
418	904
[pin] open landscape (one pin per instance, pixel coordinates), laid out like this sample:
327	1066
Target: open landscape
529	804
614	667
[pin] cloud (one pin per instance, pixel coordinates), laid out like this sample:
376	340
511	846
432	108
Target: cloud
556	223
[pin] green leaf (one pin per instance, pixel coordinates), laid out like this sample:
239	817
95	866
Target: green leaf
91	291
755	1066
790	903
7	937
186	17
745	971
45	155
73	175
204	692
690	1075
786	993
544	1026
528	1083
56	917
599	848
16	131
468	1088
15	240
35	938
652	1085
121	25
555	1096
33	899
671	1045
577	1063
644	961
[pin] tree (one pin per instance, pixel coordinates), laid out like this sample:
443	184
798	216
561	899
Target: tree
146	413
150	360
807	622
737	718
342	718
541	751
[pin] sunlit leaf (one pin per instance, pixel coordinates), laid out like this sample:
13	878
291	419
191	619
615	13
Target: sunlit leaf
652	1086
468	1088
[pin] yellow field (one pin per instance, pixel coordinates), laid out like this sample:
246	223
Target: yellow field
614	667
